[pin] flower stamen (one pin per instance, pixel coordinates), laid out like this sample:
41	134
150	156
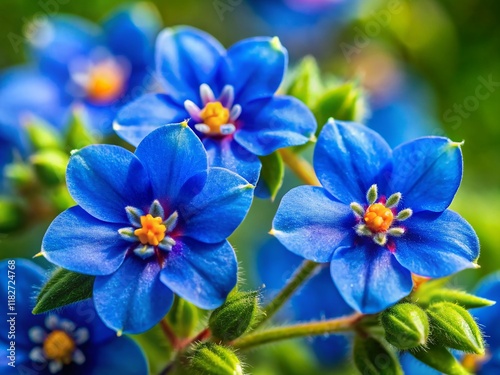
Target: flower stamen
59	346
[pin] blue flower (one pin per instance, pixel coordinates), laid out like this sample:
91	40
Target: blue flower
309	303
149	224
229	96
72	341
380	216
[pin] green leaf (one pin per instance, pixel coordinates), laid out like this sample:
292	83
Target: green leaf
272	173
371	357
42	135
406	325
440	359
454	327
183	317
12	214
305	81
63	288
464	299
77	135
50	166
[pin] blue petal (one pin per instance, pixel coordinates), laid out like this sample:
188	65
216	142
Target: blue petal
226	153
131	32
412	366
133	299
369	278
348	159
221	206
273	123
176	162
437	245
311	224
140	117
104	179
201	273
492	366
121	356
81	243
185	58
489	288
255	67
427	172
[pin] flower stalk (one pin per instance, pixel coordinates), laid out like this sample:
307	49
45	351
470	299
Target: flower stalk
299	166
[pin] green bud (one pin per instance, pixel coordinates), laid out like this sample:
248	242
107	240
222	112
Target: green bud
77	136
60	198
305	83
440	359
371	357
12	215
453	327
236	316
466	300
19	175
42	135
183	317
406	325
213	359
50	166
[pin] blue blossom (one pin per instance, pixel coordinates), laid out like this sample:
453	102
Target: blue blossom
380	214
228	95
309	303
148	225
72	341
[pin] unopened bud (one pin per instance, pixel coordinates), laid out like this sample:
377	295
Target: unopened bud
406	326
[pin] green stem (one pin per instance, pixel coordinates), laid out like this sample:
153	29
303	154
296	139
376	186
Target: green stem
299	277
343	324
299	166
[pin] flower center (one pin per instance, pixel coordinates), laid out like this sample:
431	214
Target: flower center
59	346
214	115
152	230
105	82
474	362
378	218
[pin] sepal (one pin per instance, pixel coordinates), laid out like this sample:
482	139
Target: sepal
406	326
212	359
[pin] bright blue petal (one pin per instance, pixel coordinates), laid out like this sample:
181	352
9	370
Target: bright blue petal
140	117
489	288
201	273
176	162
131	32
121	356
427	172
133	299
273	123
226	153
81	243
412	366
311	224
437	245
105	179
348	159
255	67
185	58
221	206
369	278
492	366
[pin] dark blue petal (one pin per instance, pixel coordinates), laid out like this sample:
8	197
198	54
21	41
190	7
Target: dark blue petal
489	288
201	273
255	67
226	153
176	162
369	278
104	179
81	243
133	299
348	159
221	206
121	356
270	124
427	172
185	58
492	366
437	245
131	32
140	117
311	224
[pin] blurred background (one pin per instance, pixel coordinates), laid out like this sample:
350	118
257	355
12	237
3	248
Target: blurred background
427	67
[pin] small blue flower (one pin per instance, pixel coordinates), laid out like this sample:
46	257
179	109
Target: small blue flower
72	341
148	224
228	95
380	216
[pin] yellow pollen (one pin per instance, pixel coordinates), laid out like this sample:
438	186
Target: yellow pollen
378	218
473	362
214	115
106	82
59	346
152	231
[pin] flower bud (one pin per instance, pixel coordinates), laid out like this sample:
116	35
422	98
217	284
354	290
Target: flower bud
50	166
453	327
305	83
371	357
42	135
213	359
235	316
183	317
406	326
12	215
440	359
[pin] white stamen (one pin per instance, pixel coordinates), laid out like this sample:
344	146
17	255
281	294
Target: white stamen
235	112
52	322
227	129
36	355
193	110
37	334
144	252
55	366
202	128
81	335
67	325
78	357
171	222
227	96
206	94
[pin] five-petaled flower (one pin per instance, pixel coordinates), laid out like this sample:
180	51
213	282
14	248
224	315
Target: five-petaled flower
228	95
72	340
149	224
380	214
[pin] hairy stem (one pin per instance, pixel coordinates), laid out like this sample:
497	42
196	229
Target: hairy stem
299	166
